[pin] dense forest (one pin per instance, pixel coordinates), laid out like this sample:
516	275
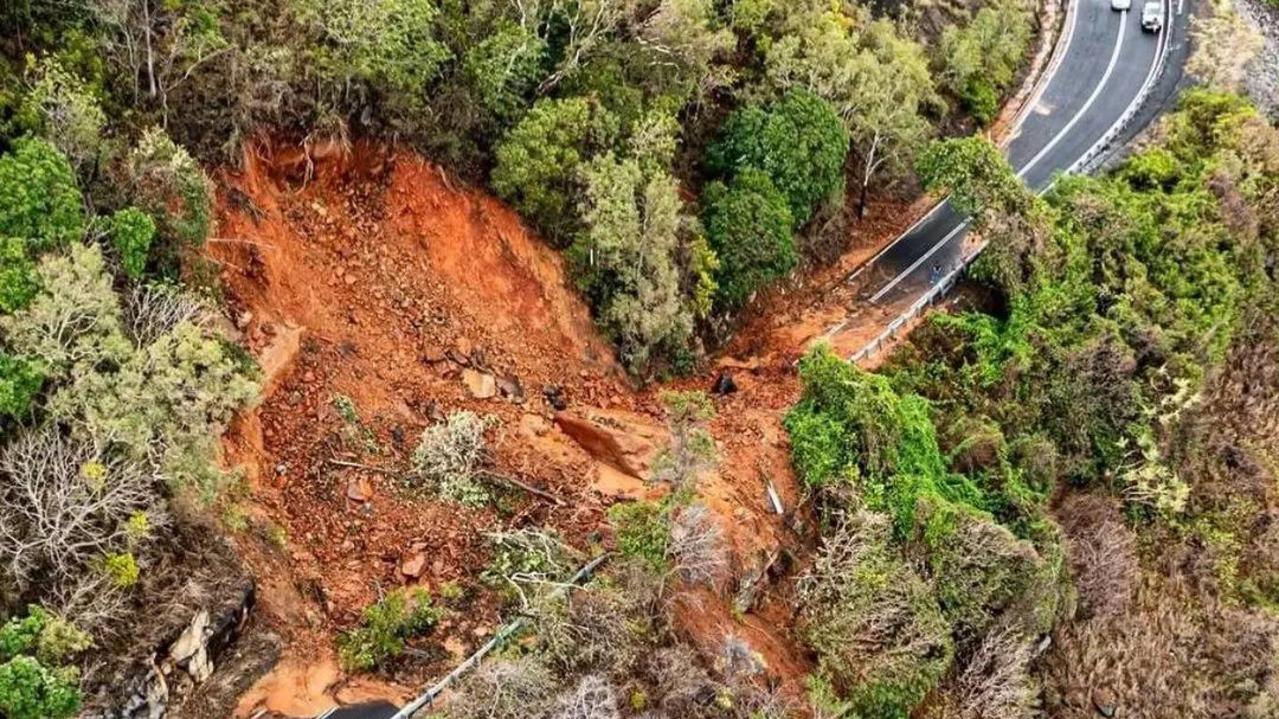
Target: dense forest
1053	501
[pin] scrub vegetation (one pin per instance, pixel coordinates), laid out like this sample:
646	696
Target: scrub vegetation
1047	465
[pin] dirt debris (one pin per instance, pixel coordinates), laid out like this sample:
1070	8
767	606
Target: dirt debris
358	290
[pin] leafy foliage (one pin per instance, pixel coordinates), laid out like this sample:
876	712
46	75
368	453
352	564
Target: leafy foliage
39	200
539	160
34	683
979	61
748	223
799	143
384	629
449	456
132	231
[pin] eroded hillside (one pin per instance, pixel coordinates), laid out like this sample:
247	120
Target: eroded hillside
380	297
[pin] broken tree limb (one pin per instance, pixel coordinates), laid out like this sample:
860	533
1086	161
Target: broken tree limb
358	465
524	486
502	635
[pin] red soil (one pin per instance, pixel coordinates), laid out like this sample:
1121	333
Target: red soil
370	276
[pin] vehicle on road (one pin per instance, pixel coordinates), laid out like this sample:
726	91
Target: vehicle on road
1120	4
1152	16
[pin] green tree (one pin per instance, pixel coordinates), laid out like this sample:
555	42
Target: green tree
748	223
17	275
505	67
20	382
893	94
39	200
539	162
799	142
979	61
132	231
877	81
33	682
628	258
67	112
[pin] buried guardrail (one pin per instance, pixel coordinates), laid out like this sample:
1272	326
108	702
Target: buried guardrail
506	632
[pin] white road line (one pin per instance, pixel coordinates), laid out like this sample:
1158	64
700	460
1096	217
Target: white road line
1050	72
1092	98
1096	92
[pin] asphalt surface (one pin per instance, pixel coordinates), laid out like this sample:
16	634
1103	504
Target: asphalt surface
1107	61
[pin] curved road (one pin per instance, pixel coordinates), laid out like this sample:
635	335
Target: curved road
1105	60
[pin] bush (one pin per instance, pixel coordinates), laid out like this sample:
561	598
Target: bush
384	629
980	61
643	534
33	682
131	232
39	200
167	184
879	634
30	690
748	223
449	456
799	142
514	688
20	382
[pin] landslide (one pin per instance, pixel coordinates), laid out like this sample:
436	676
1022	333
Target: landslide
379	296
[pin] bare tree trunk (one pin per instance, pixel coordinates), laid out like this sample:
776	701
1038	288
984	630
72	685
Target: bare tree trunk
146	20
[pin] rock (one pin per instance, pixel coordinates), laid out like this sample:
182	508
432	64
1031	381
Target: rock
724	383
464	347
1104	701
510	388
413	565
554	395
625	441
192	648
481	385
433	355
359	490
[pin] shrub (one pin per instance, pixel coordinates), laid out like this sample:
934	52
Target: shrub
449	456
592	698
748	223
29	690
131	232
602	626
39	200
539	161
62	506
167	184
642	531
879	633
513	688
20	382
980	61
33	682
696	550
799	142
68	113
385	627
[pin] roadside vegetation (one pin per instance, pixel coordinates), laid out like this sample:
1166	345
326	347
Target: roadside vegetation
1045	464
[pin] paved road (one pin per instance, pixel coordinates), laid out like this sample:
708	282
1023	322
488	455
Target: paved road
1107	60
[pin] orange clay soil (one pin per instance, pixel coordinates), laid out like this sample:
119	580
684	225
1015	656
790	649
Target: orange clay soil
366	282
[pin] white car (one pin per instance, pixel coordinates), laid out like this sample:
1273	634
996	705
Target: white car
1120	4
1152	16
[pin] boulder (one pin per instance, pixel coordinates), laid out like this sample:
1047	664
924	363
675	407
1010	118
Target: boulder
626	441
